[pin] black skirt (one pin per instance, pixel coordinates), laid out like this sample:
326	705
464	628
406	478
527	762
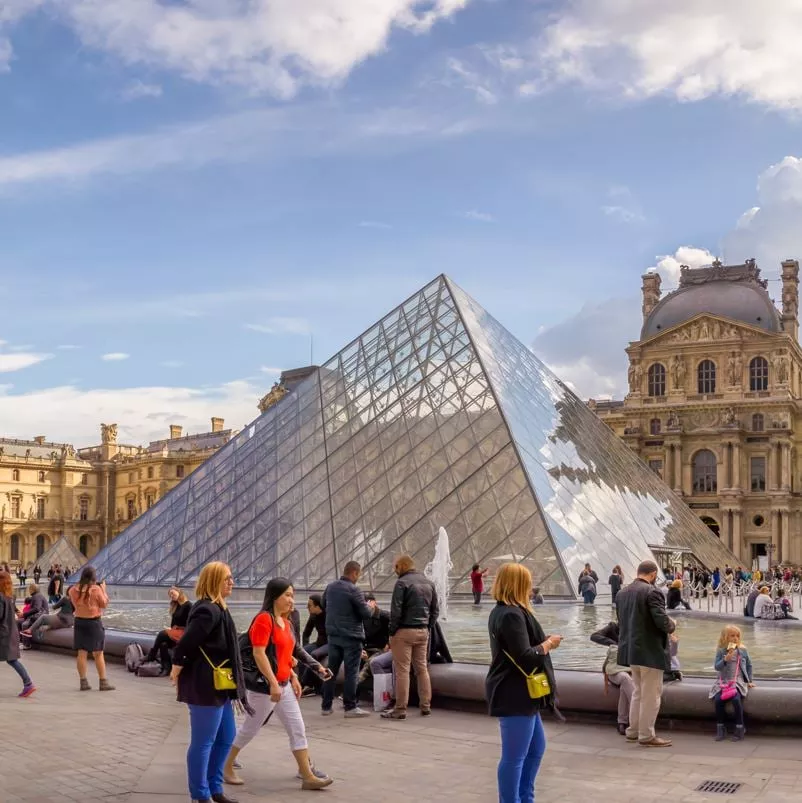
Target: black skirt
88	635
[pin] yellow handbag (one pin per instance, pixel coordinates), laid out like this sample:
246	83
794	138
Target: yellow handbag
223	675
537	683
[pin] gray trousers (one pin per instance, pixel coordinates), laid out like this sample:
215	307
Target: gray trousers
645	703
626	686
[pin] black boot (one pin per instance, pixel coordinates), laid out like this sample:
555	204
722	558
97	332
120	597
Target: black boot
739	734
721	733
223	798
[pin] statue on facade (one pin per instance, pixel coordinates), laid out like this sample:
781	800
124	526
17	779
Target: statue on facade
729	417
27	455
715	330
592	404
732	369
638	376
678	369
790	302
274	395
673	420
108	433
780	364
704	331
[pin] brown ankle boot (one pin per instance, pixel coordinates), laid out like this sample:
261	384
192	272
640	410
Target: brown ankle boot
105	685
85	685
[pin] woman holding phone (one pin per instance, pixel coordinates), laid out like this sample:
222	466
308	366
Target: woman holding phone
519	649
269	651
89	599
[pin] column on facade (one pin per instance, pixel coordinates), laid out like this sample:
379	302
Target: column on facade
785	537
775	535
736	465
785	451
677	468
726	529
771	469
736	533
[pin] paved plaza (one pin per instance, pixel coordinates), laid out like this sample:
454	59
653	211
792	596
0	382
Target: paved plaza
128	746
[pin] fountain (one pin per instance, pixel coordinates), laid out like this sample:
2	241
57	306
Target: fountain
437	571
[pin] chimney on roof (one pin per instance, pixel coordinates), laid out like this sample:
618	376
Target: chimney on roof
39	440
175	431
218	424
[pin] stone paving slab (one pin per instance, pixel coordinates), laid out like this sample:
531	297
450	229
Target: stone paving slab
129	746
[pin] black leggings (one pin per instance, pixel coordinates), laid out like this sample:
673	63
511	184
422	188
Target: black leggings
477	597
162	647
737	709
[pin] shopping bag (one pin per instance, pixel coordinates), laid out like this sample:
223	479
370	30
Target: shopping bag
382	691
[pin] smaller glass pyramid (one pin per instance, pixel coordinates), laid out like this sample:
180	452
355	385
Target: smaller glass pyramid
435	416
62	553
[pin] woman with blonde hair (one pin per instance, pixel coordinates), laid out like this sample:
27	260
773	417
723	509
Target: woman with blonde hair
735	678
166	639
519	649
208	673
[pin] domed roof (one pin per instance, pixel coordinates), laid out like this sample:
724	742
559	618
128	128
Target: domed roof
718	291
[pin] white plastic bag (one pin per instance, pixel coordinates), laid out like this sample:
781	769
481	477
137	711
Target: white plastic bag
382	691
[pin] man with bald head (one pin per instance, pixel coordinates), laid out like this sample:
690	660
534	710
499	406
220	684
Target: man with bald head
642	646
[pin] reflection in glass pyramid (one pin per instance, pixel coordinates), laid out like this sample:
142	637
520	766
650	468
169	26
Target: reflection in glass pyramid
436	416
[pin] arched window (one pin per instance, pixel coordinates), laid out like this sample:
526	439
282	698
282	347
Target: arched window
41	545
757	422
656	379
706	374
759	374
15	475
654	426
14	546
83	545
704	472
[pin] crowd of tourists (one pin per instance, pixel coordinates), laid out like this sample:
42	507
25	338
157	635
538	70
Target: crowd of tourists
266	670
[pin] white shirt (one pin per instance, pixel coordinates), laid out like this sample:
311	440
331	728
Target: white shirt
762	602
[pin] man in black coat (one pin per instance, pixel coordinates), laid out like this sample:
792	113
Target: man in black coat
642	646
346	611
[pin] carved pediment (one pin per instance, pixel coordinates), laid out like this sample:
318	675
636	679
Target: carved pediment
707	328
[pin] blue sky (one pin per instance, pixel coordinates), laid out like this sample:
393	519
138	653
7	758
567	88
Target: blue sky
191	190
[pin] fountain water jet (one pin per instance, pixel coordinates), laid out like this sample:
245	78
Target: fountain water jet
437	571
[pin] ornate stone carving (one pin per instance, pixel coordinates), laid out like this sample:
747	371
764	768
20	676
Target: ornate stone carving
705	419
707	330
274	395
673	422
734	369
780	364
678	371
108	433
729	417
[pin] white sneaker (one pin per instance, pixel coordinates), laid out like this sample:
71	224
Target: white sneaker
357	713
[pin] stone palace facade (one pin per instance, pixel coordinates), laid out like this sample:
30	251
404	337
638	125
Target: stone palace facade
715	383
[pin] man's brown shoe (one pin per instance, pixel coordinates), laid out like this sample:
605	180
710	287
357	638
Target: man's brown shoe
656	741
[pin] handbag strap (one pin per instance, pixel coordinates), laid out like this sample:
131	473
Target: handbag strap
525	674
208	660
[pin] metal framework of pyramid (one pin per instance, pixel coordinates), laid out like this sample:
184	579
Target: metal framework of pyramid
62	553
435	416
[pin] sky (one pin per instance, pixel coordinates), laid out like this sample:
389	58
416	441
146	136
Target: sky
197	194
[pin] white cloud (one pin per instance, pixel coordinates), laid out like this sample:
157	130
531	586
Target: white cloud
280	326
266	369
691	49
67	347
139	89
623	206
20	360
479	217
668	266
271	46
473	81
115	356
142	413
373	224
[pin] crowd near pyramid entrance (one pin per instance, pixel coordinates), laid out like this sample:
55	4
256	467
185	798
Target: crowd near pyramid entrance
434	417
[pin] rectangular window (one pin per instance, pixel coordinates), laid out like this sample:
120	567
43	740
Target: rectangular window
179	471
40	507
657	467
130	477
149	500
757	473
84	479
16	504
131	509
83	509
150	472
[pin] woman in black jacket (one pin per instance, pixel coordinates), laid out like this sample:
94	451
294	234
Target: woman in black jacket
166	639
209	642
519	647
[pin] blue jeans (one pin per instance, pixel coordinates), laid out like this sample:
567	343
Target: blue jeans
20	670
350	654
212	731
523	743
588	597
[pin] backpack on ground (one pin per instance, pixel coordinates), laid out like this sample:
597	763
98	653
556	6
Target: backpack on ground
149	669
134	656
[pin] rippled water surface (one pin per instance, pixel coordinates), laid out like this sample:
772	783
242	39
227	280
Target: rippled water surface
775	651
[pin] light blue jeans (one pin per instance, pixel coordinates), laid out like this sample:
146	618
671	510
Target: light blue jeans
20	670
523	743
212	731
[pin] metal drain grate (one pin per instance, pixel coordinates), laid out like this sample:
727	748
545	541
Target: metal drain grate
719	787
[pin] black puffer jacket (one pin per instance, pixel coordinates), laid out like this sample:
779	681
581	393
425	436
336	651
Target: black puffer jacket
414	604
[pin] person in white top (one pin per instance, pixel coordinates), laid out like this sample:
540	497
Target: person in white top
763	602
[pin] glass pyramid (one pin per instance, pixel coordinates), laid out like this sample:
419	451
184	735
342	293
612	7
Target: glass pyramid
435	416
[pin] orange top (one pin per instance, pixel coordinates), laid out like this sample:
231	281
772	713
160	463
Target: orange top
90	605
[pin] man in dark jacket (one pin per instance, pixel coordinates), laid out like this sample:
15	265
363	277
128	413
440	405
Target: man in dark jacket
642	646
413	611
346	610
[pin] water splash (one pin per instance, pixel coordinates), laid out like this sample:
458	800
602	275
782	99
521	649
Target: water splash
437	571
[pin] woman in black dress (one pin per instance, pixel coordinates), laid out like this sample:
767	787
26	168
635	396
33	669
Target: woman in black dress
519	648
616	581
